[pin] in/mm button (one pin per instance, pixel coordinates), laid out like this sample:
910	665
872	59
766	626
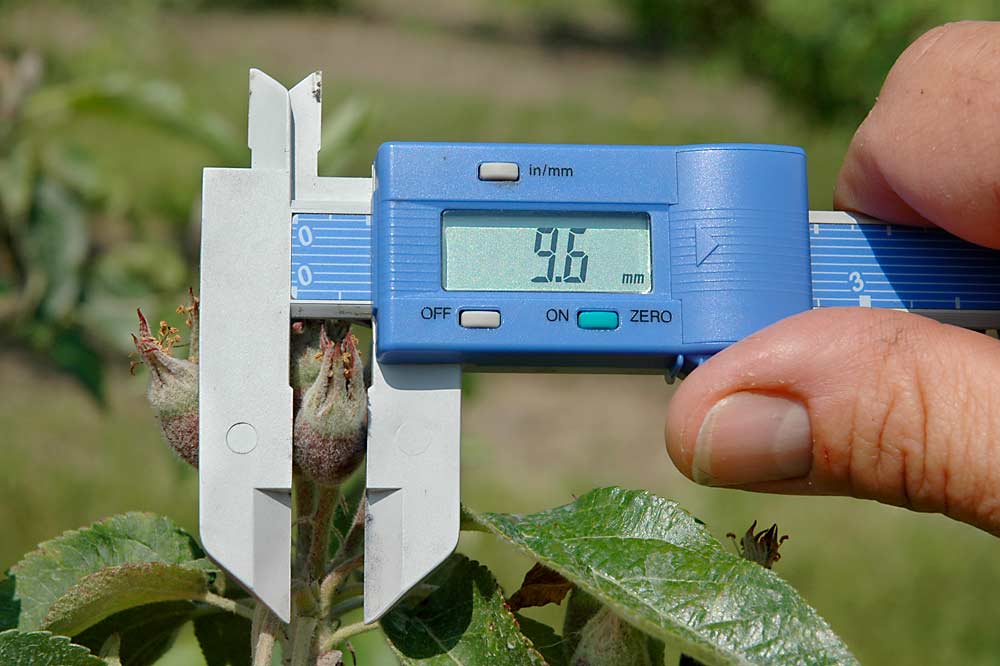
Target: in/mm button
479	318
502	171
597	320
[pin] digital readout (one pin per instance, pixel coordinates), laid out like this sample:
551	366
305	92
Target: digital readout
518	251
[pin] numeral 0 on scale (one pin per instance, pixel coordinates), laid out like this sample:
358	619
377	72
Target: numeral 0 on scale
547	247
304	275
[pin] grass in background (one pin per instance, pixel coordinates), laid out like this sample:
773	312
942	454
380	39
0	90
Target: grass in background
901	588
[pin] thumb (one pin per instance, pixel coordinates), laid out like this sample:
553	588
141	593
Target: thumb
875	404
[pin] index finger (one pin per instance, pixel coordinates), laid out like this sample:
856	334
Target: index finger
929	151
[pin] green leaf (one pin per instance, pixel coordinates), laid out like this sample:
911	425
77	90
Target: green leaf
657	568
152	103
342	130
463	621
10	608
138	268
55	245
75	169
351	495
57	566
69	350
42	649
17	178
147	632
113	589
545	639
74	354
224	639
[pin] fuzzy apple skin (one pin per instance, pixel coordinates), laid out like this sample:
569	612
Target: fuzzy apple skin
607	640
172	393
330	426
330	400
181	432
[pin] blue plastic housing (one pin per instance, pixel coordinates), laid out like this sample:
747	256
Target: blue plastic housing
730	251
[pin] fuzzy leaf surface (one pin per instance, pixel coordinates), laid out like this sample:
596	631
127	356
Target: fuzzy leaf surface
463	621
41	648
659	569
113	589
57	566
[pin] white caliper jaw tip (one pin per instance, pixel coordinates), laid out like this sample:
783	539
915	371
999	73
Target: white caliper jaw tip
258	561
413	512
389	572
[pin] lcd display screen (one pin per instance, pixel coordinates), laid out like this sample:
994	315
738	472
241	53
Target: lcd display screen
519	251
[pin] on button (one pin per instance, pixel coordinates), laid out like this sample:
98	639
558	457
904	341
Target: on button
597	320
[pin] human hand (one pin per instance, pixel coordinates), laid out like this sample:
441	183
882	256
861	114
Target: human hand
874	403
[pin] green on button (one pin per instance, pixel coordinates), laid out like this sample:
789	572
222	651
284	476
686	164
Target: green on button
597	320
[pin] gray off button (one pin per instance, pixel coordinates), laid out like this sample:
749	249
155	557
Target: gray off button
479	318
507	171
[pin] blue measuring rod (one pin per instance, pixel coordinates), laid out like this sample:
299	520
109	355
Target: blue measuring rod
498	257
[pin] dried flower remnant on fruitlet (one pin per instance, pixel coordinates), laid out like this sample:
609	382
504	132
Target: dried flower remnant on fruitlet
761	547
330	426
190	312
306	357
173	386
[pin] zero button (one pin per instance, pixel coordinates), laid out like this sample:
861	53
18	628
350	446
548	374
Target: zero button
597	320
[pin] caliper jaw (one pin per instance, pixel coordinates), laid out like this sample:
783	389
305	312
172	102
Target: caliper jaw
413	511
245	402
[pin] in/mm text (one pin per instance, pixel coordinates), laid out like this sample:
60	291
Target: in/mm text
547	170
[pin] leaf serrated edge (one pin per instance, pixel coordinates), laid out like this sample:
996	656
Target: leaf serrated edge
498	592
531	643
47	551
56	639
696	648
44	548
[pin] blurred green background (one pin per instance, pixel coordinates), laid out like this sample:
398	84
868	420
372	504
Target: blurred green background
109	110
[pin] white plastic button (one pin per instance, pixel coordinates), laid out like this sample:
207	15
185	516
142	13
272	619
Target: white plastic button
479	318
499	171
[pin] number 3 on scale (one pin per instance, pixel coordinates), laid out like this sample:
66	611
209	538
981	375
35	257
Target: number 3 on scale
547	246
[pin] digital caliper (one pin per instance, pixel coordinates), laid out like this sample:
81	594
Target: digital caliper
503	256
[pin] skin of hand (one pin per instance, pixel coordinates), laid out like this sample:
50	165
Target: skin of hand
871	403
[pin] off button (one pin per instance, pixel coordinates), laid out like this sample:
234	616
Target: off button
597	320
479	318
